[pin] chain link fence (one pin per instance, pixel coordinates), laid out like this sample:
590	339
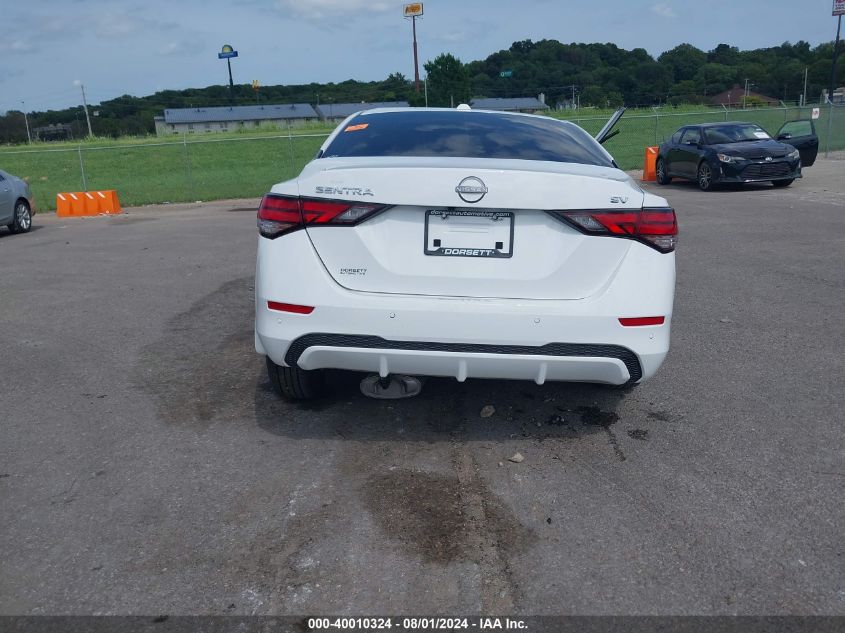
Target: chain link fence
191	168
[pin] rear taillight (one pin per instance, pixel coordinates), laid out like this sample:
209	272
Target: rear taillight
656	227
278	215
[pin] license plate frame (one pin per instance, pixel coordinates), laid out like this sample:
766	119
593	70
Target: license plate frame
469	222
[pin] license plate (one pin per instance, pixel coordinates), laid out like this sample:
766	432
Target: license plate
468	233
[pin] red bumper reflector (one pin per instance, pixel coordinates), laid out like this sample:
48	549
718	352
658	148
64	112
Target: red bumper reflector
634	321
289	307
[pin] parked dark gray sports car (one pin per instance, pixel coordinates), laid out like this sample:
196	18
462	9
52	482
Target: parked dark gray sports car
714	153
16	203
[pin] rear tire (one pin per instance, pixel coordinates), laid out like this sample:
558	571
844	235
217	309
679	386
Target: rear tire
705	177
663	177
22	221
293	383
783	183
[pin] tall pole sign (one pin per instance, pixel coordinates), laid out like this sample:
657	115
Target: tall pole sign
838	10
413	11
227	53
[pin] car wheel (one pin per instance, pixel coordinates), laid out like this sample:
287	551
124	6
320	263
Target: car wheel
22	221
293	383
783	183
663	177
705	177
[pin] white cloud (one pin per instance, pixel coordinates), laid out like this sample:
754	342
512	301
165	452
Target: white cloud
329	9
181	47
53	24
21	46
112	25
663	10
452	36
171	48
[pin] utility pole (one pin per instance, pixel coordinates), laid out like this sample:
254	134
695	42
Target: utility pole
26	122
835	57
745	96
804	94
572	103
85	107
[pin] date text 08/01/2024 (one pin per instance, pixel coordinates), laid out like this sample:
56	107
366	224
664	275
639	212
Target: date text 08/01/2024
416	623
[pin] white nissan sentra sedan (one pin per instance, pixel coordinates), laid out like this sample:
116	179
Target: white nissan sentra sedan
472	244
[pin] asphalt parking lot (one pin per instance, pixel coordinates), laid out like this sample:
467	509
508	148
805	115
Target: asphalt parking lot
146	467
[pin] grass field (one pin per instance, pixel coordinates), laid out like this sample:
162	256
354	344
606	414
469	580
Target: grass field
174	172
236	165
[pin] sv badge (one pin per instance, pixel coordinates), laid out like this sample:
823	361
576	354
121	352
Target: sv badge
618	199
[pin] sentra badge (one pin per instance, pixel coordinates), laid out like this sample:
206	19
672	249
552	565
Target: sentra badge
344	191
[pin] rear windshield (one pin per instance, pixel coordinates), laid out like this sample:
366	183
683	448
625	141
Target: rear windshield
733	133
466	135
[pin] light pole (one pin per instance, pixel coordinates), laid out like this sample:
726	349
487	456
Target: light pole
85	106
26	122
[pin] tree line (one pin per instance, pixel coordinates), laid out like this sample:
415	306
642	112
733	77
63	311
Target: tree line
595	74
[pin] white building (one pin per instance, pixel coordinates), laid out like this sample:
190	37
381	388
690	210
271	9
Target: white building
223	119
519	104
336	112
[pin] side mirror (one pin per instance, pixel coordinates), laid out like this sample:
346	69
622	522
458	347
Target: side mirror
784	137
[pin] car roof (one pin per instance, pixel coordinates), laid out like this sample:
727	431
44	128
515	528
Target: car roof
471	112
721	123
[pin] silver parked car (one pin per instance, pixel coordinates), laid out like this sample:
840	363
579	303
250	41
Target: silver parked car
16	203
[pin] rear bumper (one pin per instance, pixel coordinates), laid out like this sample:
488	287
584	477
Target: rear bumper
569	340
610	364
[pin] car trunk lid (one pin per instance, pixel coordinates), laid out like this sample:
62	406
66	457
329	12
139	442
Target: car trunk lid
469	227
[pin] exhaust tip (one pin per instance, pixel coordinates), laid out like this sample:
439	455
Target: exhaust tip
392	387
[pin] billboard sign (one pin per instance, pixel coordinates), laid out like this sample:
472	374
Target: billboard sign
838	7
227	52
413	10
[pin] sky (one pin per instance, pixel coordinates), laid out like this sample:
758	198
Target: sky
118	47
